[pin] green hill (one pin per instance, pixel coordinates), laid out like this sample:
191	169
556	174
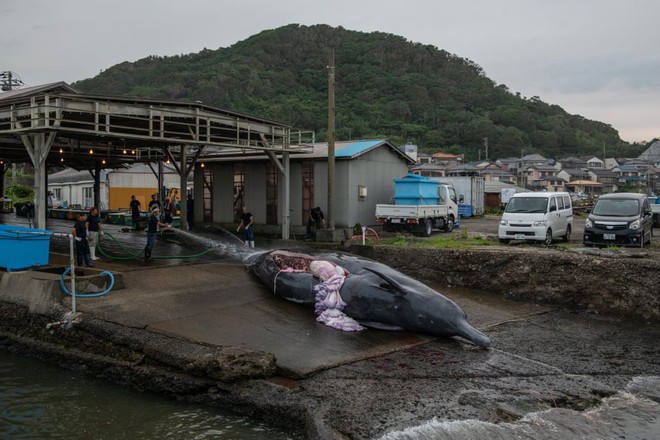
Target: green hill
386	86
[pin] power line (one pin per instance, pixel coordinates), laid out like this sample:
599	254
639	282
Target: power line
10	81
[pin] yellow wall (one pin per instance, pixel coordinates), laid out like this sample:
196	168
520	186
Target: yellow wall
119	198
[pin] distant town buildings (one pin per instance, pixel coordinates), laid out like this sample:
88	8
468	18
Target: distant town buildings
590	175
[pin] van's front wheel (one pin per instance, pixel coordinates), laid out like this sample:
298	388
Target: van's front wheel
548	237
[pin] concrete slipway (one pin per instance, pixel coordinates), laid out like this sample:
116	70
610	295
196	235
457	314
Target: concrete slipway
272	360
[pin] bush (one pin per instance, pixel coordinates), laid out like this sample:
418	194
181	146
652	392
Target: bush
20	193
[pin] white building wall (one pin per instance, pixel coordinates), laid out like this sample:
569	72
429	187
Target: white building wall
73	194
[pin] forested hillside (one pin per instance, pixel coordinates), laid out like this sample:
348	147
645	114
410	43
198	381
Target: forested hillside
386	87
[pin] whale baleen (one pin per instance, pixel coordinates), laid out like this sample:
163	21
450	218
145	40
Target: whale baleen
374	294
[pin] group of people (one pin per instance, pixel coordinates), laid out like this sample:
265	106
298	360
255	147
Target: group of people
315	219
86	231
154	220
170	209
88	227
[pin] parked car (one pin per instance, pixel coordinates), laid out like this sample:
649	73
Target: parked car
537	216
622	219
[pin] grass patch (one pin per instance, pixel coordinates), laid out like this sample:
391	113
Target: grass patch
439	241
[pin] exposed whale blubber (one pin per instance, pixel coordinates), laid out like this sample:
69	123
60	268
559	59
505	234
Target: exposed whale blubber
375	294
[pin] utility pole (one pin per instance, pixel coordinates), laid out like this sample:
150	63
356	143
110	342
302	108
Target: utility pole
9	81
331	139
486	146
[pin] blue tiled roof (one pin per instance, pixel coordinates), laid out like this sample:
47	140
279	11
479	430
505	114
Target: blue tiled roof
357	148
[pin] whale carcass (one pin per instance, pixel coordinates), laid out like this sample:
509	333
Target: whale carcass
370	293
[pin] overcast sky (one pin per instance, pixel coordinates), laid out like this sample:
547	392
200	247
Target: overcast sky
596	58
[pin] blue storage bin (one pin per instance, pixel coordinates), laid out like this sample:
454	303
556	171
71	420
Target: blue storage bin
416	190
22	248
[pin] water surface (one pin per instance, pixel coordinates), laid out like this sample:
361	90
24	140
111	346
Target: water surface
43	401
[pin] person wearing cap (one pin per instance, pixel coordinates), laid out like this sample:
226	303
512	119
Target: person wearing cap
152	230
93	231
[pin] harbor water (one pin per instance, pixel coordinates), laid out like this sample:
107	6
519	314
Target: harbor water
633	414
43	401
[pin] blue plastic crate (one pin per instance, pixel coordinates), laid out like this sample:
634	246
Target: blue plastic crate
22	248
465	210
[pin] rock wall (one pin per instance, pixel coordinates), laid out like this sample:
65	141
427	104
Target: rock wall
598	281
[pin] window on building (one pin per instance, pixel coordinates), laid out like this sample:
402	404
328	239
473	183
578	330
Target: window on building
207	196
239	190
272	180
88	197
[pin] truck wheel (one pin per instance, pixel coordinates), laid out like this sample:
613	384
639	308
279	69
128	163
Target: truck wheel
449	225
428	228
548	237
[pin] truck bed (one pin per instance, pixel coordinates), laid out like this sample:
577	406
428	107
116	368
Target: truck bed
410	211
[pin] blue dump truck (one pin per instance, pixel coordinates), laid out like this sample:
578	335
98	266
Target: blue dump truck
420	206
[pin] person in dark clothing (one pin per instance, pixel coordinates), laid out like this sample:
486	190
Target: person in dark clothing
170	209
135	211
93	231
79	233
152	229
247	224
153	202
190	205
316	218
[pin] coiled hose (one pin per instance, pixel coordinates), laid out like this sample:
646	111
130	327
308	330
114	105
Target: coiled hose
86	295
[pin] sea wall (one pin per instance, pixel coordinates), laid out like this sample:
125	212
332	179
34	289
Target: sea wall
599	281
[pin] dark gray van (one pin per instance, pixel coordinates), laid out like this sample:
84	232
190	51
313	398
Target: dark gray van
622	219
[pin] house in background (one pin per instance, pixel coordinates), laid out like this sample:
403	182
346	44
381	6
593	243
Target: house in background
536	172
629	175
595	164
428	170
423	158
75	188
573	174
448	159
609	179
499	175
572	162
548	183
364	176
465	169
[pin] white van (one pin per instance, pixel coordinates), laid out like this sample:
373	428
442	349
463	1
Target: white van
539	216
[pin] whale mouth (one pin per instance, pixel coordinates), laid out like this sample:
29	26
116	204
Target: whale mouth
473	335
